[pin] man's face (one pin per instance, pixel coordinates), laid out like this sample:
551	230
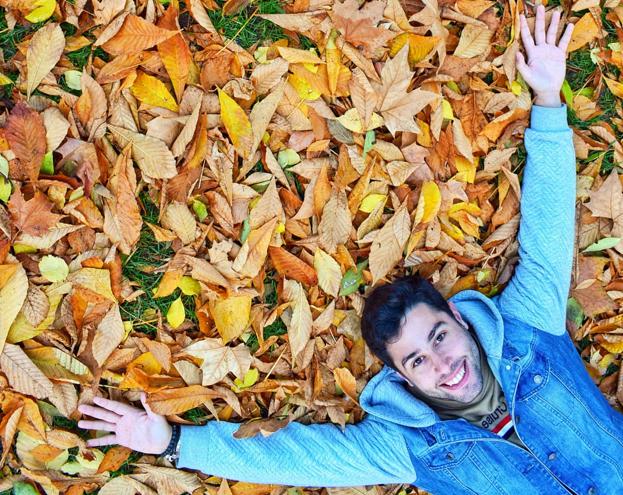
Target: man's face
437	354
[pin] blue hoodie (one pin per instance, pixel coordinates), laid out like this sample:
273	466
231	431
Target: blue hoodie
378	450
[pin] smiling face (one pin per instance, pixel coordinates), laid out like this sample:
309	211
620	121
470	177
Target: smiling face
437	354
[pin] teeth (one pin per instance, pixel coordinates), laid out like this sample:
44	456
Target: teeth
458	377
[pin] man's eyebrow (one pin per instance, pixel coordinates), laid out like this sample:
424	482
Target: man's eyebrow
431	334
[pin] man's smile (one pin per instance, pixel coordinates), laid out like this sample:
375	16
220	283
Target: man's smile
459	378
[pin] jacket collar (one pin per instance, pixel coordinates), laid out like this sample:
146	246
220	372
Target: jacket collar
385	395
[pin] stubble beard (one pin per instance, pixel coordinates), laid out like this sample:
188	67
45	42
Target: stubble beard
473	388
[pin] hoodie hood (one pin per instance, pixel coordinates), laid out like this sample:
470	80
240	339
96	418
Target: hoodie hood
386	397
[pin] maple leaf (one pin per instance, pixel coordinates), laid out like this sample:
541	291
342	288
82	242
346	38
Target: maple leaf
358	26
398	106
34	216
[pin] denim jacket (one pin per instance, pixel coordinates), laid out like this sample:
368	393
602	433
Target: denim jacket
574	438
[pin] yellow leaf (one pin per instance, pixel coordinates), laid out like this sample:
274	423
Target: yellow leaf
419	46
231	315
151	90
352	121
147	362
189	286
176	314
53	268
472	208
446	110
237	124
4	80
371	201
429	202
303	88
249	379
43	10
615	86
466	169
585	30
329	273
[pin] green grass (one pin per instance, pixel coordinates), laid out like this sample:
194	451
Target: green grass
138	267
9	39
247	29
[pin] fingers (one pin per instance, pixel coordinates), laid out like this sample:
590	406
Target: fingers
96	425
526	37
112	405
566	37
521	64
553	27
539	25
105	440
145	405
99	413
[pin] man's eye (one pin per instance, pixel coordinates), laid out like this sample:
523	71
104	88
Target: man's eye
416	362
442	334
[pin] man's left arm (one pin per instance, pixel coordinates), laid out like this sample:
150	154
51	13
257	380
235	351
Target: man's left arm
537	292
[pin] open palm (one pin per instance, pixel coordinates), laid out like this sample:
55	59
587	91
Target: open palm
138	429
545	69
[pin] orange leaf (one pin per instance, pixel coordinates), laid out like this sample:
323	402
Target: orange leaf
292	266
174	52
179	400
114	458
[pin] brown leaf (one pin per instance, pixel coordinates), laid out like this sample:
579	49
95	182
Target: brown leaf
22	374
335	225
44	51
122	216
388	244
33	216
359	25
136	34
397	106
26	135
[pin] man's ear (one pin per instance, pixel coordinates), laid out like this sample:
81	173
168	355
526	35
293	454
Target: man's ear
404	378
457	315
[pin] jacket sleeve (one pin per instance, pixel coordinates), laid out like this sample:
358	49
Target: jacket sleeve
538	291
317	455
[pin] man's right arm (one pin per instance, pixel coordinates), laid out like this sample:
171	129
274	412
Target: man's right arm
317	455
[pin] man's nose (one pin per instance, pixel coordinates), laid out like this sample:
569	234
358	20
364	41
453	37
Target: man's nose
442	365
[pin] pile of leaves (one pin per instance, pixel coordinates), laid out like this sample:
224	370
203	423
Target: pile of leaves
197	196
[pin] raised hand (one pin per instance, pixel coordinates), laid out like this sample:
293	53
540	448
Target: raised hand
546	67
138	429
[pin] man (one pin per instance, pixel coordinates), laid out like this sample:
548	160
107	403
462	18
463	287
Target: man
478	396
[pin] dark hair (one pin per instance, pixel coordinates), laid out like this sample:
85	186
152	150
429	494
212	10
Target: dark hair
387	305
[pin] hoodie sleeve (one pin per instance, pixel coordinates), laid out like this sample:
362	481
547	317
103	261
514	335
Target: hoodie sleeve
317	455
538	291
